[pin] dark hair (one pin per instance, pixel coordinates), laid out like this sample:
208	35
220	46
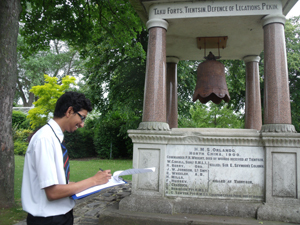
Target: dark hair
77	100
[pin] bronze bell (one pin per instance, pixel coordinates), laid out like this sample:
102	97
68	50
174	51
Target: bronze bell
211	82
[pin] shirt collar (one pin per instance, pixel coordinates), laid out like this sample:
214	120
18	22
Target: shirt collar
57	129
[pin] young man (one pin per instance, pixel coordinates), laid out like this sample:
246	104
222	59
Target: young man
46	190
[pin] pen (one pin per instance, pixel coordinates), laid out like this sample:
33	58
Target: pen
100	169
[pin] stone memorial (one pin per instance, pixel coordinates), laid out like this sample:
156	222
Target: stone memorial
251	172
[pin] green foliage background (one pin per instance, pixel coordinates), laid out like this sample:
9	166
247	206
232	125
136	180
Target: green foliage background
48	95
19	119
112	43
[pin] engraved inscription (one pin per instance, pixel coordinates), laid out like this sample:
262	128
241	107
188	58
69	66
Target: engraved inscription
214	171
210	8
220	8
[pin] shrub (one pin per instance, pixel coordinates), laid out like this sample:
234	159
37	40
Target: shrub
18	118
103	140
22	135
111	136
20	141
20	147
25	124
80	143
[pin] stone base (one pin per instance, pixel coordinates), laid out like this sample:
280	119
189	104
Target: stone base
221	172
279	212
190	206
278	128
115	216
154	126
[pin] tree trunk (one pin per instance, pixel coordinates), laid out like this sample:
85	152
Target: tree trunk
9	28
30	100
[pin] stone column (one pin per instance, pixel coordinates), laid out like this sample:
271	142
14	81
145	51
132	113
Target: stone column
253	119
277	107
154	109
172	105
281	154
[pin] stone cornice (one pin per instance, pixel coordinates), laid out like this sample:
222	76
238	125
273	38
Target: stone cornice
240	137
197	137
281	139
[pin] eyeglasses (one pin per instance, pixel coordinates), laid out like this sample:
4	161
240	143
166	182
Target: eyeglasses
81	117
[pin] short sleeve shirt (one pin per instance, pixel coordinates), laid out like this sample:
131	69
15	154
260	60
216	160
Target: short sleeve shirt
43	167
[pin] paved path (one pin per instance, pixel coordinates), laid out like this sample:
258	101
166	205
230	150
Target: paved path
88	210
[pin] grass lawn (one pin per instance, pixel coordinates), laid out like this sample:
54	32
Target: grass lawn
80	170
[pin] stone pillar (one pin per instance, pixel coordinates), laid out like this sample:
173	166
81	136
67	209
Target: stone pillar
277	107
154	109
281	154
253	119
172	106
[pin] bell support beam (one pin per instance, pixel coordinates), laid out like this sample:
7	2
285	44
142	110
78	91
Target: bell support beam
172	104
154	109
253	118
277	107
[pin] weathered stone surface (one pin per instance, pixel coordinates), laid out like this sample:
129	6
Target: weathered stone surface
146	204
119	217
108	213
279	212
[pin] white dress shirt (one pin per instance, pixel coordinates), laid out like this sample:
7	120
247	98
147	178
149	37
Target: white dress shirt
43	167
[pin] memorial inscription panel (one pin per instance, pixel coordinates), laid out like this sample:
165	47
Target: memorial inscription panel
214	171
194	9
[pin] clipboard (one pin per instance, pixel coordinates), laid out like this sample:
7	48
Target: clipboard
114	181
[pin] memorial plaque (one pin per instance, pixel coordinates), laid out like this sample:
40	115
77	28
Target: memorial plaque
214	171
194	9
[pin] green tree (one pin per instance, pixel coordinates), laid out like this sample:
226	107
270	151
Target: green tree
111	139
186	79
48	95
58	61
79	23
211	115
112	42
236	83
113	77
115	84
292	34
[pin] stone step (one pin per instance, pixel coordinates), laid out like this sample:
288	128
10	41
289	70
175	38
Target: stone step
113	216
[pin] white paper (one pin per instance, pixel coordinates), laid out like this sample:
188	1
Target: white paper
115	180
131	171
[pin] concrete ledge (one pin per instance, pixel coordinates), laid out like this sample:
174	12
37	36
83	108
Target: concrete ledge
113	216
219	207
146	204
279	212
162	205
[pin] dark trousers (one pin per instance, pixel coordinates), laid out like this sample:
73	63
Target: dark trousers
66	219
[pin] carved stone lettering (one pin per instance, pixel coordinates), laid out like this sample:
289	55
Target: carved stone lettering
214	171
213	8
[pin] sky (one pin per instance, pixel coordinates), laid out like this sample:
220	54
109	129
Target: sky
295	11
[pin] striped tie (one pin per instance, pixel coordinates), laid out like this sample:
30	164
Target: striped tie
66	162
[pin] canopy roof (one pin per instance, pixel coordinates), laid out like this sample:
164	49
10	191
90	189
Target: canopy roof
240	21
